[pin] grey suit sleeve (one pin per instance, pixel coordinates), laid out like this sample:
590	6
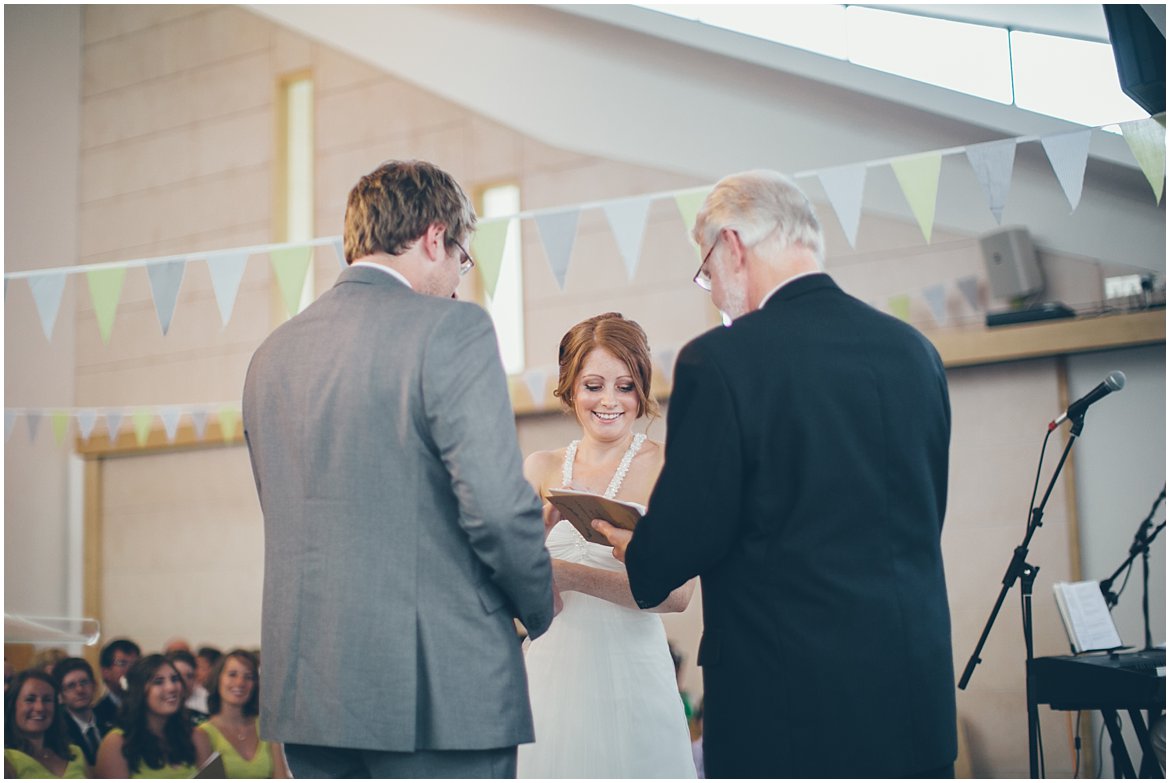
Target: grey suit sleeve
469	415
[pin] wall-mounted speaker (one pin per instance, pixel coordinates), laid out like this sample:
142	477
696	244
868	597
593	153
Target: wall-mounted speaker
1139	49
1012	267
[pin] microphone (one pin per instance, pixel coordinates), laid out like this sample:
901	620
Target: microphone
1114	381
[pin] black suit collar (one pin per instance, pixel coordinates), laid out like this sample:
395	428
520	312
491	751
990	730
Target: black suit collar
800	287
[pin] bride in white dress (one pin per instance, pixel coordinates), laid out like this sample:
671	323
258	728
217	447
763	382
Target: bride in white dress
605	700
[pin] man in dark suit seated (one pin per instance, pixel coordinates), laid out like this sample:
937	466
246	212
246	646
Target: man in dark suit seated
116	659
805	483
75	676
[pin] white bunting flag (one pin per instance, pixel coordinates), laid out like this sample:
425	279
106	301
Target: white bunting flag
845	186
199	420
969	287
46	291
664	358
227	270
339	251
936	298
536	379
627	221
170	419
33	419
113	424
993	163
85	423
1069	153
165	279
558	231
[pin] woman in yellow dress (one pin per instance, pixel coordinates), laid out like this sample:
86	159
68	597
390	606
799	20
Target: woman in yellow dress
156	739
35	744
233	728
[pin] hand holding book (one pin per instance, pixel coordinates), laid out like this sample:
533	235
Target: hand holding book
581	508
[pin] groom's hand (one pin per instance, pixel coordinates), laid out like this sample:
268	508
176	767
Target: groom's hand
619	539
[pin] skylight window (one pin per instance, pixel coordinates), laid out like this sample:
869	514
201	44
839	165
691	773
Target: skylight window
1068	78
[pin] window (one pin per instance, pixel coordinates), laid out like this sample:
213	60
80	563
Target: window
295	173
507	306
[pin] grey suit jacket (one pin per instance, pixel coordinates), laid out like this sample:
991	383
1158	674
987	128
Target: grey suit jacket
400	535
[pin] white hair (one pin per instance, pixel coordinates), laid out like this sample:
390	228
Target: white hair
755	204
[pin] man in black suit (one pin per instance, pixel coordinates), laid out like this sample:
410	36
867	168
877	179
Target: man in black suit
805	483
115	660
85	729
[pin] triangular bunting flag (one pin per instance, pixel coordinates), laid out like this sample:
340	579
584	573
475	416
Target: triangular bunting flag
113	424
199	421
105	287
228	419
33	419
9	420
993	163
170	419
60	420
689	204
46	291
665	359
936	298
969	288
165	279
900	306
1068	153
558	231
227	270
627	222
1147	141
844	186
291	265
142	421
918	177
85	422
487	246
536	379
339	251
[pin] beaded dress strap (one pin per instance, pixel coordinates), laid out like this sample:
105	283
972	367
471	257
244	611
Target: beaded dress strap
619	475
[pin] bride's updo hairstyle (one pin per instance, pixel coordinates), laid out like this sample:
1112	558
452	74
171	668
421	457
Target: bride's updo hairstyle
621	337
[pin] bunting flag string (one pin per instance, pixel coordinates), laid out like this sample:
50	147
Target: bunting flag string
918	176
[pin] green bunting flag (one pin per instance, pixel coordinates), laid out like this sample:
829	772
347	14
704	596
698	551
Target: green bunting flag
105	287
291	265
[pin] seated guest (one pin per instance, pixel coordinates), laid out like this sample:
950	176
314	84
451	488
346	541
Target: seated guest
116	659
35	745
45	660
75	678
233	728
155	738
205	661
184	663
176	643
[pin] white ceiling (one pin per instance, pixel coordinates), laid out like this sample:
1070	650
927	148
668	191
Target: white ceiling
630	84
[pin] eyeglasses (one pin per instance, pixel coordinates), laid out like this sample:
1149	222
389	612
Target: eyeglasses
702	278
468	263
75	684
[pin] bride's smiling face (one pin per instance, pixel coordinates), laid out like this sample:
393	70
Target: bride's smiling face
606	401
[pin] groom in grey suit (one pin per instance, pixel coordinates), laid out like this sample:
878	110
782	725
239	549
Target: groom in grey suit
400	535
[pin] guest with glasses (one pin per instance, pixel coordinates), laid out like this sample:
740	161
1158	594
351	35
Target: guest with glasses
75	676
116	658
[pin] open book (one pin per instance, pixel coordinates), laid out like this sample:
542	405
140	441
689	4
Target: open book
581	508
1086	617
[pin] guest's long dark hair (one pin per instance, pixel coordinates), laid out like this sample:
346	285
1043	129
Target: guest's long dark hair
141	746
55	737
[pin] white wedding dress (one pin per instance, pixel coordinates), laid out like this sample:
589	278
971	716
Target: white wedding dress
605	701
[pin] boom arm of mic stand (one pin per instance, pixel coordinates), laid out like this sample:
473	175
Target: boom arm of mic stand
1141	543
1018	564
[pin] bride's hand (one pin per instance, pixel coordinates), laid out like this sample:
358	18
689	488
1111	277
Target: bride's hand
552	516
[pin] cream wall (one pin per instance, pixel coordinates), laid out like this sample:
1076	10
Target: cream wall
177	125
41	128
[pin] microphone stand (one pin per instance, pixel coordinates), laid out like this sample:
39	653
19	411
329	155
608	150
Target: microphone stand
1024	571
1141	545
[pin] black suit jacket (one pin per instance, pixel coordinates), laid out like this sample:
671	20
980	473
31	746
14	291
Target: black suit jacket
805	483
78	739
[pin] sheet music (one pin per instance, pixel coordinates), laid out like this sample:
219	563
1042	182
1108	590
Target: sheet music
1086	617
